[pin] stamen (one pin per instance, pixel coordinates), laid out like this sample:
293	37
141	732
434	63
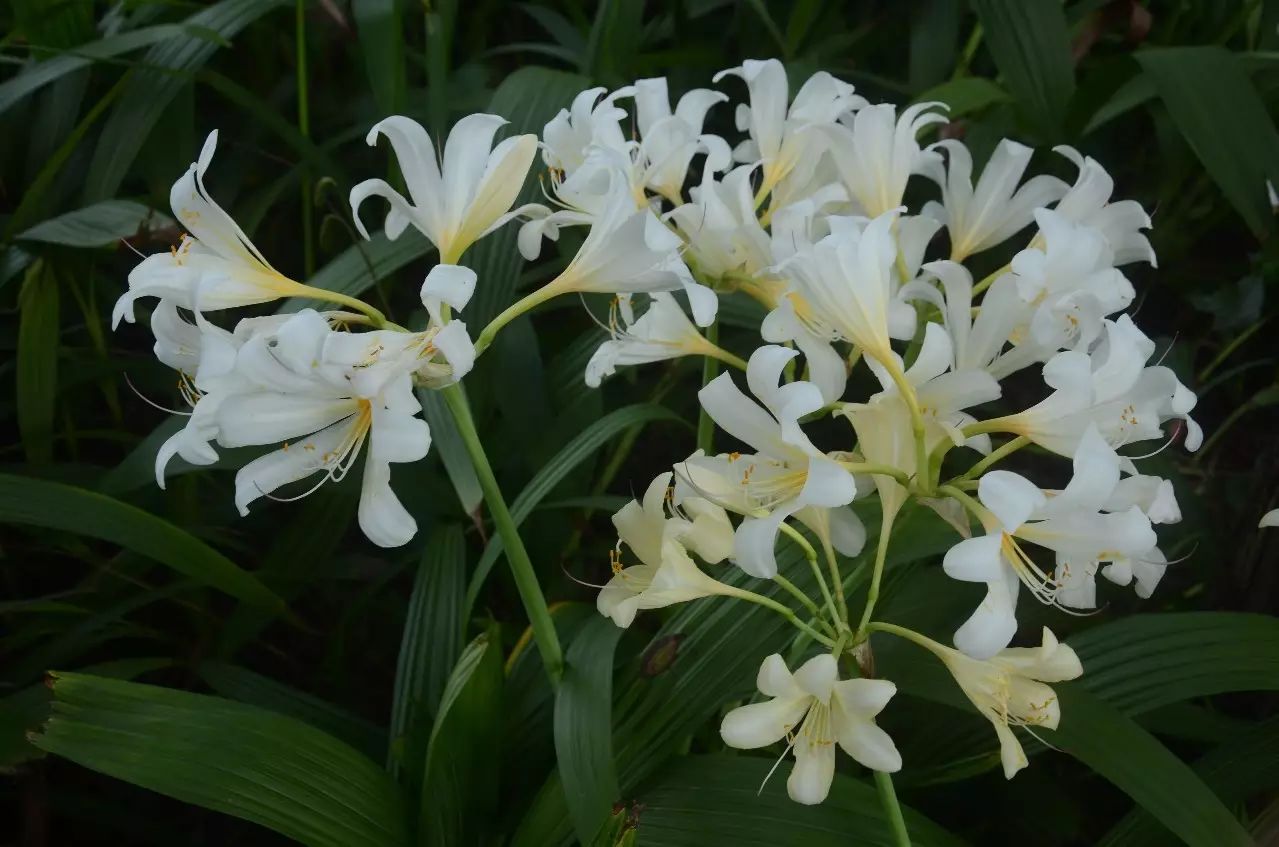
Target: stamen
151	402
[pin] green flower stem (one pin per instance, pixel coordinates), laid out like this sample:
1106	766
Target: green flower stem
892	809
836	579
710	367
770	603
811	555
806	601
376	318
513	311
966	500
548	643
877	575
996	455
876	470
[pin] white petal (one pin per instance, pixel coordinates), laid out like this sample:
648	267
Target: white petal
382	516
451	284
761	724
818	676
992	624
1011	497
809	782
975	559
269	418
289	464
756	540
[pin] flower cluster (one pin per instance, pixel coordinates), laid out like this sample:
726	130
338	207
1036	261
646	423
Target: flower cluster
806	214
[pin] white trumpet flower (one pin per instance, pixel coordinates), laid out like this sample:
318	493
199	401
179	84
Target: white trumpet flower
847	279
876	153
786	475
628	251
782	139
815	710
1088	202
1009	688
456	204
324	412
215	267
1070	522
978	218
669	140
663	332
666	574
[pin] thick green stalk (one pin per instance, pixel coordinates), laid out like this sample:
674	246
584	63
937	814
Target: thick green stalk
710	367
892	809
548	643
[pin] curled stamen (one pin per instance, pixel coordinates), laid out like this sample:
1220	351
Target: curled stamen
151	402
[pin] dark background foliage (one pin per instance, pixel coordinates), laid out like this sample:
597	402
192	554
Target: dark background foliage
1176	99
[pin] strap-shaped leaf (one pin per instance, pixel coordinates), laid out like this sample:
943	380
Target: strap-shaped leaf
37	378
166	69
429	647
377	22
724	801
241	760
1133	760
459	790
245	686
584	727
1214	104
51	505
1236	770
97	225
1031	46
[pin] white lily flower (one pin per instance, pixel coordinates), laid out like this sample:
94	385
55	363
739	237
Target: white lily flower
785	475
978	218
663	332
876	153
781	137
815	710
628	251
591	121
215	267
1111	389
723	234
298	390
1008	689
666	574
457	204
1070	523
1088	202
847	279
1269	519
669	140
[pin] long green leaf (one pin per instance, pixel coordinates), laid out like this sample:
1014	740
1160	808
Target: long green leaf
429	647
1031	46
168	66
583	727
97	225
51	505
377	22
241	760
718	801
1114	746
573	454
245	686
40	74
1214	104
1238	769
459	790
37	378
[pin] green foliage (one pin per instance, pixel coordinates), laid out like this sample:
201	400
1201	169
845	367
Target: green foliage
329	657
